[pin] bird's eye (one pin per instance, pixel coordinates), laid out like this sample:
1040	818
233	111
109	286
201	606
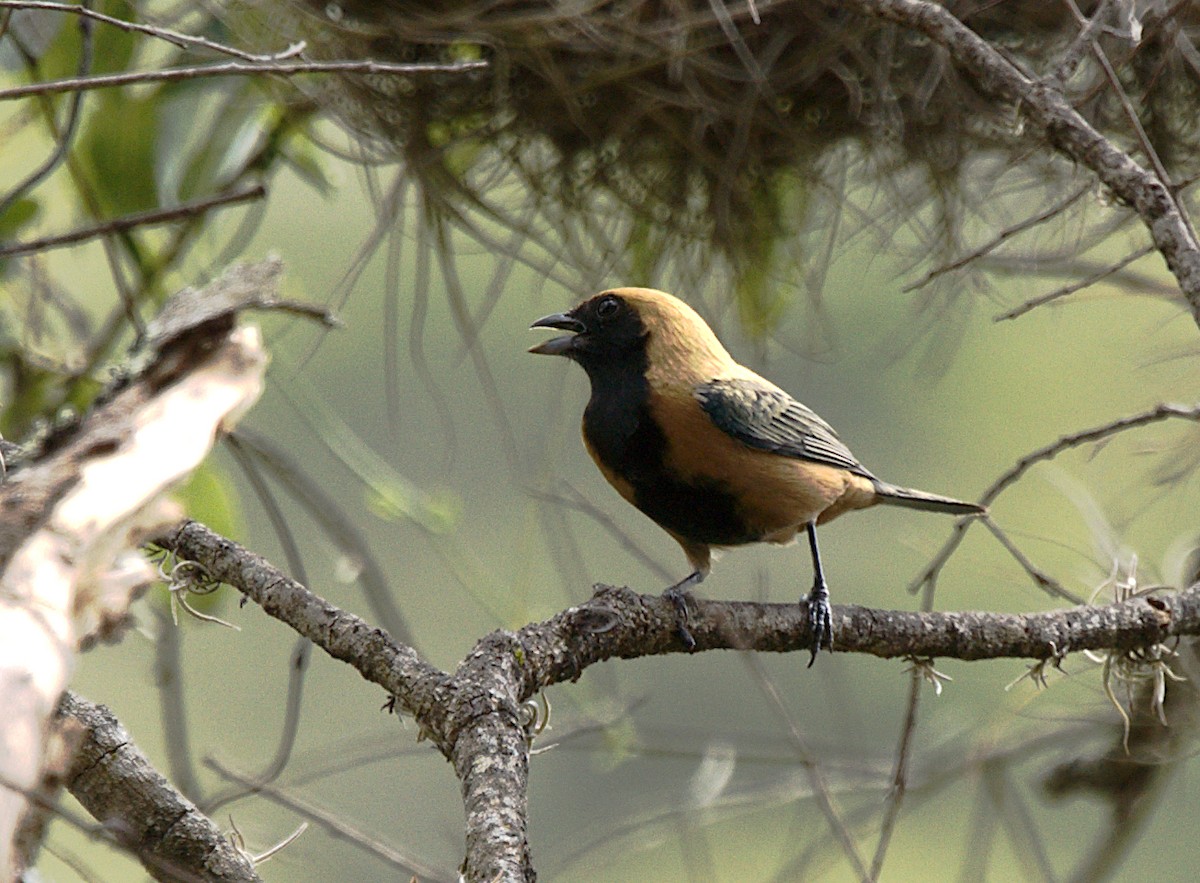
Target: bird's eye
607	308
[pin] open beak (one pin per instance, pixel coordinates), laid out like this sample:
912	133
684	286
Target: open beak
557	346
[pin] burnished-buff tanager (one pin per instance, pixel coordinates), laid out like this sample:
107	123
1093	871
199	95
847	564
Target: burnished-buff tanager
715	454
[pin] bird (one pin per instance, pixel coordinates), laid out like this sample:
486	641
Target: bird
715	454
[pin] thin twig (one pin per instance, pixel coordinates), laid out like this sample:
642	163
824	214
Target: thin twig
1062	127
1087	282
1132	115
183	41
66	136
1042	579
168	676
1000	238
573	499
129	222
331	822
1027	840
236	68
816	779
302	652
1072	57
126	314
895	797
1158	413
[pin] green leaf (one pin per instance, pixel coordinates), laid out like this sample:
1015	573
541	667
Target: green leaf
37	32
775	207
34	394
209	131
117	151
397	500
18	215
645	246
304	159
54	44
60	37
207	496
114	49
463	51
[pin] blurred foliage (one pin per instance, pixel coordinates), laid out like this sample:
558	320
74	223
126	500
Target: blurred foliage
721	135
207	497
115	153
677	144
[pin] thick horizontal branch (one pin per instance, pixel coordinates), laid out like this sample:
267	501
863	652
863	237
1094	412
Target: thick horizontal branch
620	623
474	715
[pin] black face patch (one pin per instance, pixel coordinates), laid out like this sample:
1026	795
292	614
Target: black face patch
613	339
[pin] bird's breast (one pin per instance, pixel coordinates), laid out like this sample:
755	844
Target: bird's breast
634	453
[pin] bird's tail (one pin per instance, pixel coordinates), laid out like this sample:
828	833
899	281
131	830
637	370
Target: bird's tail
911	499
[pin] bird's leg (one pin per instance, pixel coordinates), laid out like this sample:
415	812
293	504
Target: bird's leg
679	595
820	615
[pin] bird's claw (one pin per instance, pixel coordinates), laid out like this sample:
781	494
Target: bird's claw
682	599
820	620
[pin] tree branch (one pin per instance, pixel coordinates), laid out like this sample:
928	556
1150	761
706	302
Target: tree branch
1086	282
1160	412
235	68
474	717
1044	103
346	637
75	514
137	219
183	41
119	787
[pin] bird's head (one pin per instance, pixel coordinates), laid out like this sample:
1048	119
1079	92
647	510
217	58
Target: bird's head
624	327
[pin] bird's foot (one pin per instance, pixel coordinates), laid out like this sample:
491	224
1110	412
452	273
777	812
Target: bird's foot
820	619
681	598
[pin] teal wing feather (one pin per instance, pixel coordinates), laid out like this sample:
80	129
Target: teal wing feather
765	417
